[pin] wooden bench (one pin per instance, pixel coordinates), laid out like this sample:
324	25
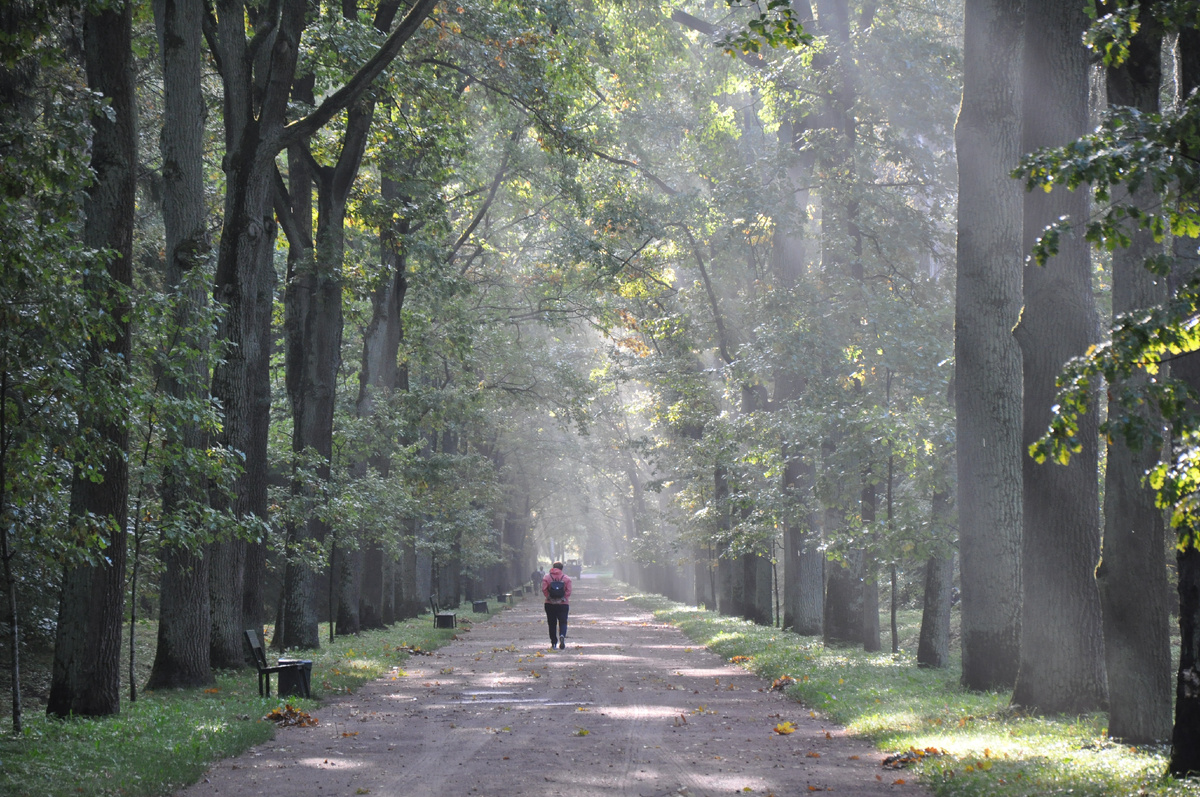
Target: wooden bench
441	617
300	671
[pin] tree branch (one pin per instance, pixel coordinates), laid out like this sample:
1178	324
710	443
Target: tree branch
354	88
487	203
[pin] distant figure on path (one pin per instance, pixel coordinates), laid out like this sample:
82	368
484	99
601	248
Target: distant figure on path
556	587
537	575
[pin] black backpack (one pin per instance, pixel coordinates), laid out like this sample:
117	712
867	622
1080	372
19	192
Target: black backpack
556	590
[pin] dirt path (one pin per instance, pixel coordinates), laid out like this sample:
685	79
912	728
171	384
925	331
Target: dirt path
498	713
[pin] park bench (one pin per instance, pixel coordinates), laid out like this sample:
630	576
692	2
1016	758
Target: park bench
441	617
295	675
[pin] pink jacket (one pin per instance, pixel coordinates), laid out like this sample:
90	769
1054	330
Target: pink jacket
556	575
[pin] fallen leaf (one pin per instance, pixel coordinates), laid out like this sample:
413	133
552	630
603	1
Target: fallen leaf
813	754
898	782
784	728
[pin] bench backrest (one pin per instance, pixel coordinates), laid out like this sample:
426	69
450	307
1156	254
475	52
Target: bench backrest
433	604
260	656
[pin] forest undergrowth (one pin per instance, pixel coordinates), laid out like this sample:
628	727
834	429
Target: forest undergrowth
960	743
168	738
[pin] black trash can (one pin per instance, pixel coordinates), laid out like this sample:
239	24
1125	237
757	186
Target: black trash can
295	681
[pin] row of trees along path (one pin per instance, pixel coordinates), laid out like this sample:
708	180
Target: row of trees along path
631	707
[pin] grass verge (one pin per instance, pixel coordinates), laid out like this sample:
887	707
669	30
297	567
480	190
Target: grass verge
168	739
978	745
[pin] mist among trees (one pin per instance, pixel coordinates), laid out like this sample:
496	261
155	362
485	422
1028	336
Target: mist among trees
802	312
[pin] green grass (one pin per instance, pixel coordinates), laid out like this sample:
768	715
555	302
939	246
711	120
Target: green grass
168	739
982	747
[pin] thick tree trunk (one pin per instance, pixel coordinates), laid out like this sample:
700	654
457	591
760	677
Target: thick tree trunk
227	569
254	558
181	657
844	601
254	589
1062	643
933	646
379	377
987	358
246	250
1132	575
86	678
371	596
1185	738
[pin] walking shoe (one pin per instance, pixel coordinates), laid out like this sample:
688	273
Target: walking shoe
562	644
553	645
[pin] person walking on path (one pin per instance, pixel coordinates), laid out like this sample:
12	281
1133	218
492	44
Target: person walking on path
556	587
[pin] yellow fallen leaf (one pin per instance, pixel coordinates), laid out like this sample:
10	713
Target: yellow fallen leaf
784	728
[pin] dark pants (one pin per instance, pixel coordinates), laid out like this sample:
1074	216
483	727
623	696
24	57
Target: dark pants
556	618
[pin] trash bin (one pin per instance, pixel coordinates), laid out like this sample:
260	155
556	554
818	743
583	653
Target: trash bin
296	680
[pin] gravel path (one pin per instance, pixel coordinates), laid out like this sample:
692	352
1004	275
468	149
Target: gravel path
631	707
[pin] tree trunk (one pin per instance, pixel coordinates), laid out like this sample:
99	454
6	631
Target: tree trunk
348	584
371	596
254	589
409	603
1132	575
246	251
254	557
933	646
379	376
86	678
1062	643
844	601
803	563
870	588
181	657
987	359
1185	736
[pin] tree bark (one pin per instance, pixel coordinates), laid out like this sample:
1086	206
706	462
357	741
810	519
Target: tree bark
1062	643
870	588
379	377
257	78
933	645
1185	735
1132	576
86	677
844	601
987	359
181	657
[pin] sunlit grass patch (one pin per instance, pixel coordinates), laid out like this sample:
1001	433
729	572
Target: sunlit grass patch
981	746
